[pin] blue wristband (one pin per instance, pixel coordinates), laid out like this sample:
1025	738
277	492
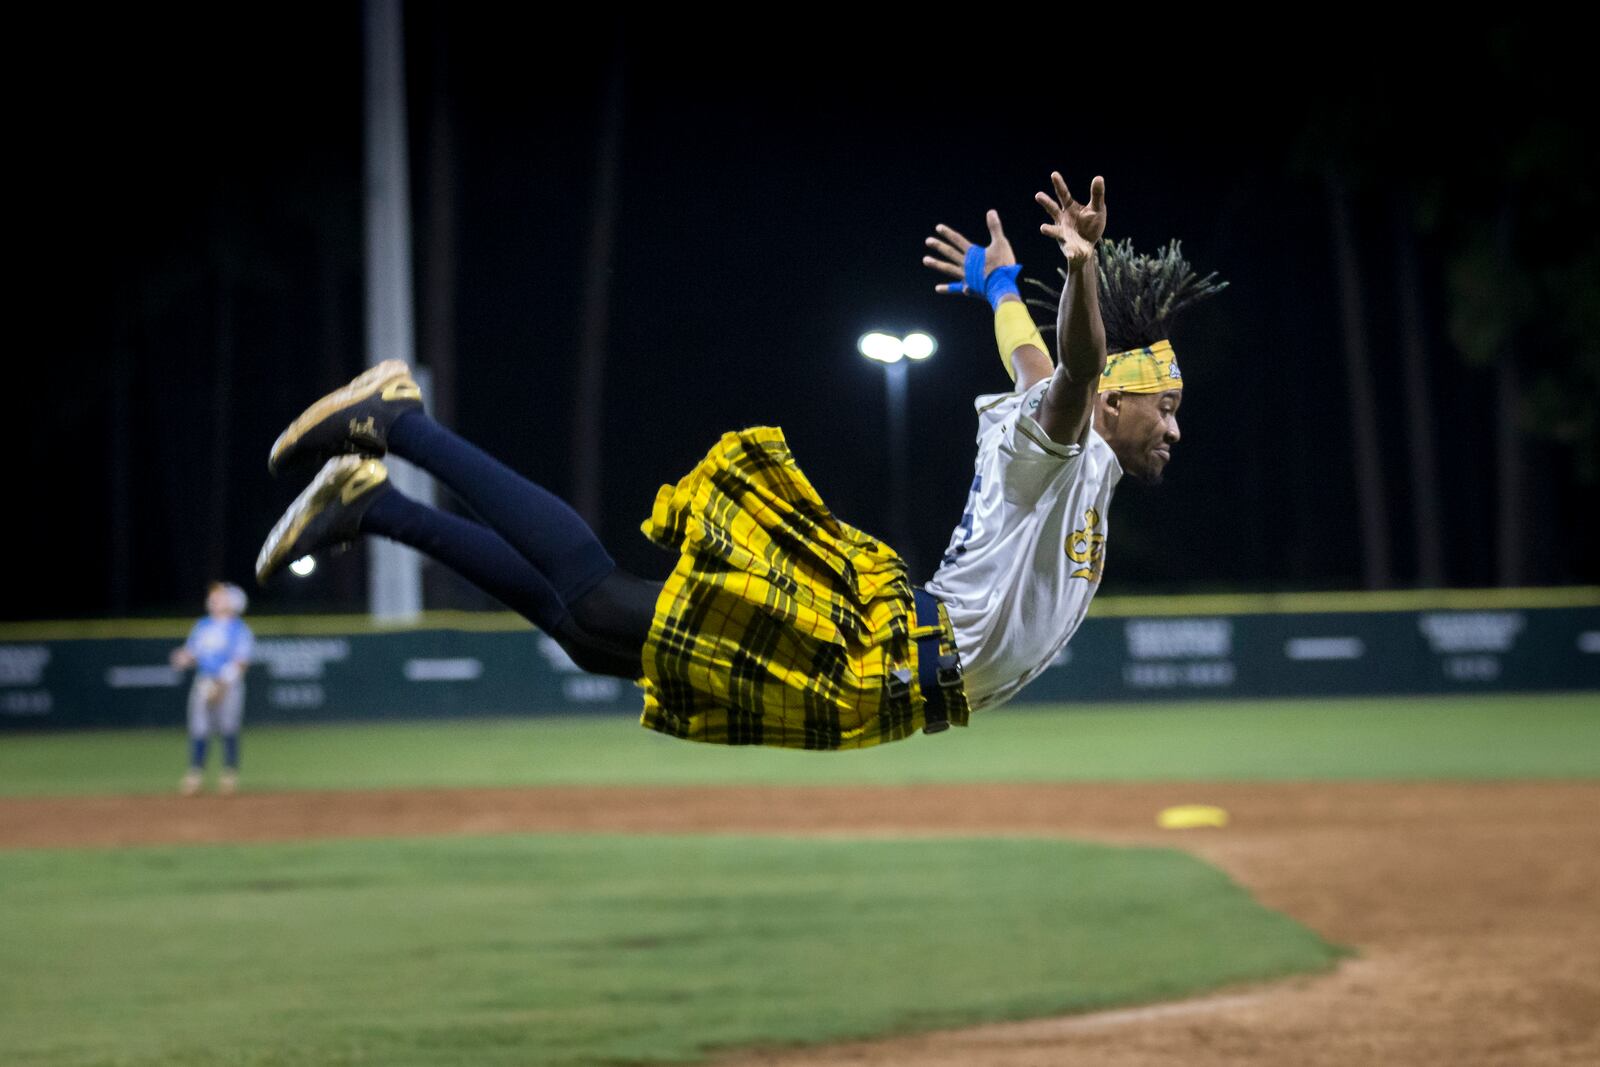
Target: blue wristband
1002	282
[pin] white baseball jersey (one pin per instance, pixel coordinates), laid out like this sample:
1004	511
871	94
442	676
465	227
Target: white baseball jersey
1026	560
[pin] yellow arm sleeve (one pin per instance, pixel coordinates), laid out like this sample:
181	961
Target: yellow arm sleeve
1013	328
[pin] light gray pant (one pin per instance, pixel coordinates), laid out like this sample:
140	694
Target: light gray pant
222	715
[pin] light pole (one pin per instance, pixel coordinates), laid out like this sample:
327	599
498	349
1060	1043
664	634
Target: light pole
896	354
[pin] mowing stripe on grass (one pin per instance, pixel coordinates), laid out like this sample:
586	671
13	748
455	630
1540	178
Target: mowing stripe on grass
1418	738
592	949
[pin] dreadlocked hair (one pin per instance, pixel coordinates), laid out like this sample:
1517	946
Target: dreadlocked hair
1139	295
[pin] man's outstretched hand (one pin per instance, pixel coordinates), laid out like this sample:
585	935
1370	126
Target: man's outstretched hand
951	257
1074	226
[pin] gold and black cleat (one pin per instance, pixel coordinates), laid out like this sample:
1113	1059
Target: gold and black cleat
327	514
353	419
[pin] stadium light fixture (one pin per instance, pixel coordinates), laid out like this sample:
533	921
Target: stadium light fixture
887	348
896	354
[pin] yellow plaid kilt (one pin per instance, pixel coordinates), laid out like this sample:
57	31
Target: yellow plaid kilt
780	624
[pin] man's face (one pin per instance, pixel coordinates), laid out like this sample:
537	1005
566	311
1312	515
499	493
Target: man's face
1141	429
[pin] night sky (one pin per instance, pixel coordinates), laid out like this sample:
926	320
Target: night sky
193	188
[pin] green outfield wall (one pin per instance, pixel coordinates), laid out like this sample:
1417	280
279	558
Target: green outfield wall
307	669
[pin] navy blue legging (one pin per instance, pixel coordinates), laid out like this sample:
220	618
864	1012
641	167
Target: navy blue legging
533	553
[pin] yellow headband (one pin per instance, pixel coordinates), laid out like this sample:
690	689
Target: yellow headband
1143	370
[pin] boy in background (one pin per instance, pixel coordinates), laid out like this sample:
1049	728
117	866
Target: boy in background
218	648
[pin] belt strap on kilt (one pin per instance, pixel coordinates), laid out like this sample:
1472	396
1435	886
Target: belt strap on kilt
935	671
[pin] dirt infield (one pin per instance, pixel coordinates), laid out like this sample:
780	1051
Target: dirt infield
1472	905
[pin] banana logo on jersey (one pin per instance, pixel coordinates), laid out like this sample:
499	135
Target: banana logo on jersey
1087	546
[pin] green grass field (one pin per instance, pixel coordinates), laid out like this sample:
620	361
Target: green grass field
562	949
594	949
1470	738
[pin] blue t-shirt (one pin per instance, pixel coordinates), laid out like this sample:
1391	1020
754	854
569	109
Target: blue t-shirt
215	644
